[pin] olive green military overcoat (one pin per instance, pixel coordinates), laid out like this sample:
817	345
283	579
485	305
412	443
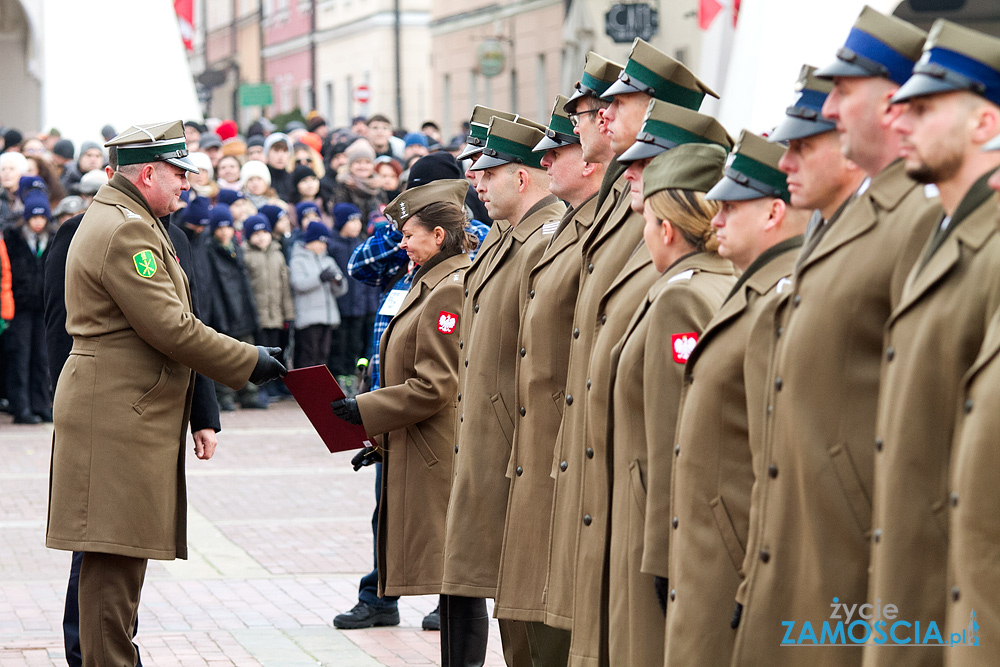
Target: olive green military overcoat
478	505
712	470
973	576
414	414
123	399
932	339
645	389
542	358
808	539
609	243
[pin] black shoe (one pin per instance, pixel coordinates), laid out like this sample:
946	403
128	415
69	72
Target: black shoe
227	406
27	418
365	616
259	403
432	621
46	416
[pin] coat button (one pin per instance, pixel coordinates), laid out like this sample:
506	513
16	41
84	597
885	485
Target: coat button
576	333
587	520
588	384
955	593
531	294
569	399
461	344
466	363
765	555
590	268
877	535
967	406
520	471
797	300
677	450
777	384
953	499
563	466
772	471
673	594
459	397
522	411
590	452
770	409
523	352
779	331
466	292
604	319
475	308
456	449
878	444
674	523
461	417
890	353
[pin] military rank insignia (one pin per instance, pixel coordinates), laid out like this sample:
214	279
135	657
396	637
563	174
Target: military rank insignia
145	263
682	345
447	322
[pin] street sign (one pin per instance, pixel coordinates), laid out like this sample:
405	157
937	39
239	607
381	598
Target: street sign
624	22
491	57
255	95
361	94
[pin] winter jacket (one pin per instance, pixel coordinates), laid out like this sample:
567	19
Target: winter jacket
361	299
233	310
315	300
269	280
26	270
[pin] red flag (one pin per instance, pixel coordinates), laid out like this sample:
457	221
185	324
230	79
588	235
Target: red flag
185	19
707	11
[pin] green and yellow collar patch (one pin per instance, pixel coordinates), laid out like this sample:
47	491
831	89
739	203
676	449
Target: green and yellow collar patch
145	263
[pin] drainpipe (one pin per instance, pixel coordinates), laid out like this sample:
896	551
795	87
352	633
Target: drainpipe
397	44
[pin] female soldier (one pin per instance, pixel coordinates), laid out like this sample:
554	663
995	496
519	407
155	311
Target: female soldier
413	414
646	385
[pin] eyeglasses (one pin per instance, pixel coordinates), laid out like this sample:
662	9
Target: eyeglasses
574	117
303	160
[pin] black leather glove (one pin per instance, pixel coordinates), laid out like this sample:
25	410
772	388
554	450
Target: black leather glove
366	457
330	276
662	587
268	368
347	409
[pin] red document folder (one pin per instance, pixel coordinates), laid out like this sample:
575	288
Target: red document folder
314	388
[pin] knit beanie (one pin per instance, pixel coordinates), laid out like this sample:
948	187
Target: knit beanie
342	214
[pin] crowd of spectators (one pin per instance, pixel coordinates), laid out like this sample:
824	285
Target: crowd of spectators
273	216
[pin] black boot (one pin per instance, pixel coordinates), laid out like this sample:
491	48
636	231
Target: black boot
465	629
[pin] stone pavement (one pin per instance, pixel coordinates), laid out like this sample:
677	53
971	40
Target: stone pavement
279	532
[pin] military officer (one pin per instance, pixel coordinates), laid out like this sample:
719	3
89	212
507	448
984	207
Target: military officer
124	396
514	188
540	377
811	524
637	380
950	110
973	504
618	445
479	125
608	246
713	474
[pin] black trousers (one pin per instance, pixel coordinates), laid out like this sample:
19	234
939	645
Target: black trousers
348	343
465	629
312	345
27	364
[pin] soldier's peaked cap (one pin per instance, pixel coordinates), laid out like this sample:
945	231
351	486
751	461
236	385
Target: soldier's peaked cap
560	129
695	167
649	70
156	142
666	126
751	171
511	143
446	190
803	118
478	125
955	58
598	75
877	45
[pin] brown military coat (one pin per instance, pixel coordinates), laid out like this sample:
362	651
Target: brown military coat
645	388
808	540
931	340
123	399
609	244
543	355
973	576
414	413
478	505
712	471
